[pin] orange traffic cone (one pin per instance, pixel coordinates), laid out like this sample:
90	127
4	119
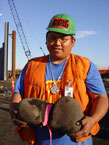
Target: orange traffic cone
12	85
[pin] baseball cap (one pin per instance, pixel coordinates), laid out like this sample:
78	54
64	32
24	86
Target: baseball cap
62	23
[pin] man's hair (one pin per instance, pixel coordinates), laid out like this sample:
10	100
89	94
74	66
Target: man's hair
62	34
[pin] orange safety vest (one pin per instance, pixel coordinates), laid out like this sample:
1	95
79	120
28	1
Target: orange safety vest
76	70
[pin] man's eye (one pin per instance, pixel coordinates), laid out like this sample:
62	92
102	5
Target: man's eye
62	38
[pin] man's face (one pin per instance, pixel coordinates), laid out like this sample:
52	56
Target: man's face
59	45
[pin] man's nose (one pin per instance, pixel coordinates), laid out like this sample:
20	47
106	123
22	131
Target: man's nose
57	41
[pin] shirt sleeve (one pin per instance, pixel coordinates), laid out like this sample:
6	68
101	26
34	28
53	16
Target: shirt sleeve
19	87
94	81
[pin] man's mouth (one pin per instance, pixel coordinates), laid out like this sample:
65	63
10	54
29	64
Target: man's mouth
57	49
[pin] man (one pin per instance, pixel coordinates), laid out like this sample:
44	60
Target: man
55	75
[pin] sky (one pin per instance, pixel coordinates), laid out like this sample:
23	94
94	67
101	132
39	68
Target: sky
92	27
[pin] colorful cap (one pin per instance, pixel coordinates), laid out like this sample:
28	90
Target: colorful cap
62	23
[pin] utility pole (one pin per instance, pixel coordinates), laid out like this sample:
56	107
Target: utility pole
6	51
14	54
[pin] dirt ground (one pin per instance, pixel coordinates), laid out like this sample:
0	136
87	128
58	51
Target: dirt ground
7	136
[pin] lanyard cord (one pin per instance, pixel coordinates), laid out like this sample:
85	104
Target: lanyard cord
45	123
60	72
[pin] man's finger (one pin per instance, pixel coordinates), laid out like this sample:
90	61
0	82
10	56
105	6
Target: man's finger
15	111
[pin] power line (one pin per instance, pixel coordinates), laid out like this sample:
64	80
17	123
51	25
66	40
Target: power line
33	34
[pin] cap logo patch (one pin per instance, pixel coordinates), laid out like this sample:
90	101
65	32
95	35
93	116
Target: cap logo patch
60	23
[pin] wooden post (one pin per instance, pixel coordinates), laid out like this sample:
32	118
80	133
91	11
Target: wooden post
14	54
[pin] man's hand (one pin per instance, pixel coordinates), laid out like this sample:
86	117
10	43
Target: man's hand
99	109
20	123
87	124
13	112
16	98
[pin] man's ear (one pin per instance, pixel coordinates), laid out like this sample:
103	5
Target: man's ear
73	41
